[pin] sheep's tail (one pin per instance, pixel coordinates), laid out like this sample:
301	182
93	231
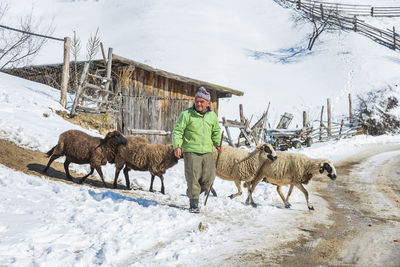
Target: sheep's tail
50	152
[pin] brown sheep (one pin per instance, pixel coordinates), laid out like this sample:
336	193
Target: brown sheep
143	156
81	148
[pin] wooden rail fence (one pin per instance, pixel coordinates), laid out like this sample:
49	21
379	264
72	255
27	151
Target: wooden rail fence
347	9
345	17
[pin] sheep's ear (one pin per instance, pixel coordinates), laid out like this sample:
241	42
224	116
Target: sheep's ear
108	135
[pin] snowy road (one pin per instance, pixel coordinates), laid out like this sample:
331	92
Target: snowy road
365	201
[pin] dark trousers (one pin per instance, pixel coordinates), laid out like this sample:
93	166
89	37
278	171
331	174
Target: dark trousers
199	173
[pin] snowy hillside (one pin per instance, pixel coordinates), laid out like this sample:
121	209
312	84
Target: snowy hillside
250	46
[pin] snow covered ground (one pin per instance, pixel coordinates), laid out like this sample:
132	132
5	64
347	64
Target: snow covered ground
250	46
50	223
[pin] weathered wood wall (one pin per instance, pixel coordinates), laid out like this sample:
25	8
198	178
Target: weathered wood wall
154	102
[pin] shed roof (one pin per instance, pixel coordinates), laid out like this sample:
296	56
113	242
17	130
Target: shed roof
222	90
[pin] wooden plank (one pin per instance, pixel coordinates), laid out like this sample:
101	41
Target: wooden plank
321	123
148	132
246	136
91	110
99	77
65	72
93	86
96	100
230	142
329	110
80	88
235	124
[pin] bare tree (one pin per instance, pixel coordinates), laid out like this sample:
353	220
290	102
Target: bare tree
93	46
18	47
75	51
320	19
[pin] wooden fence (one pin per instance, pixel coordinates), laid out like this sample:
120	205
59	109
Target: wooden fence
347	9
345	17
282	138
337	131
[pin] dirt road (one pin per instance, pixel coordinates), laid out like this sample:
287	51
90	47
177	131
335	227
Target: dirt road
364	201
365	205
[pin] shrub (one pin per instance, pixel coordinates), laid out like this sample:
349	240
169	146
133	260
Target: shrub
379	111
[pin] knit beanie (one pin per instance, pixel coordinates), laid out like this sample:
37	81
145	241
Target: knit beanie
202	92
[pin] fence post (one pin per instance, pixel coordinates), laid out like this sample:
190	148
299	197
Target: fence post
304	119
350	112
329	110
340	131
322	11
372	11
394	38
65	72
355	23
241	113
298	4
321	123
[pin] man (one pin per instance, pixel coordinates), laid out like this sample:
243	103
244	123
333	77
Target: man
196	132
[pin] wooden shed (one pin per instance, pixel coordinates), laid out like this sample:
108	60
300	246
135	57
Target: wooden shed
151	99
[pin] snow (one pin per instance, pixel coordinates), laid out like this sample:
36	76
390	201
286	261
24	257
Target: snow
253	47
232	43
48	222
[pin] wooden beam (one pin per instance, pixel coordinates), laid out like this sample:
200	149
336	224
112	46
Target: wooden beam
227	132
321	123
350	111
80	88
65	72
148	132
329	110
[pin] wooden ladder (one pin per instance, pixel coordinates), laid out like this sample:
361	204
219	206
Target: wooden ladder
103	102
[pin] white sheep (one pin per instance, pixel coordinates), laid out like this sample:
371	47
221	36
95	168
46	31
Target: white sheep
238	165
140	155
290	169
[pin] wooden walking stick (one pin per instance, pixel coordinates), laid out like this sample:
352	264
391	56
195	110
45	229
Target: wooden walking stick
216	165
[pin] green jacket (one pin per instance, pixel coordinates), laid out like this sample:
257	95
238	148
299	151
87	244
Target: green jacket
195	133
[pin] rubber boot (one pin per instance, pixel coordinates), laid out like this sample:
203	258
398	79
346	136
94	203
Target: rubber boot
194	206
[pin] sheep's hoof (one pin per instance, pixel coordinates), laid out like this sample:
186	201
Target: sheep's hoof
311	208
254	205
288	205
232	196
